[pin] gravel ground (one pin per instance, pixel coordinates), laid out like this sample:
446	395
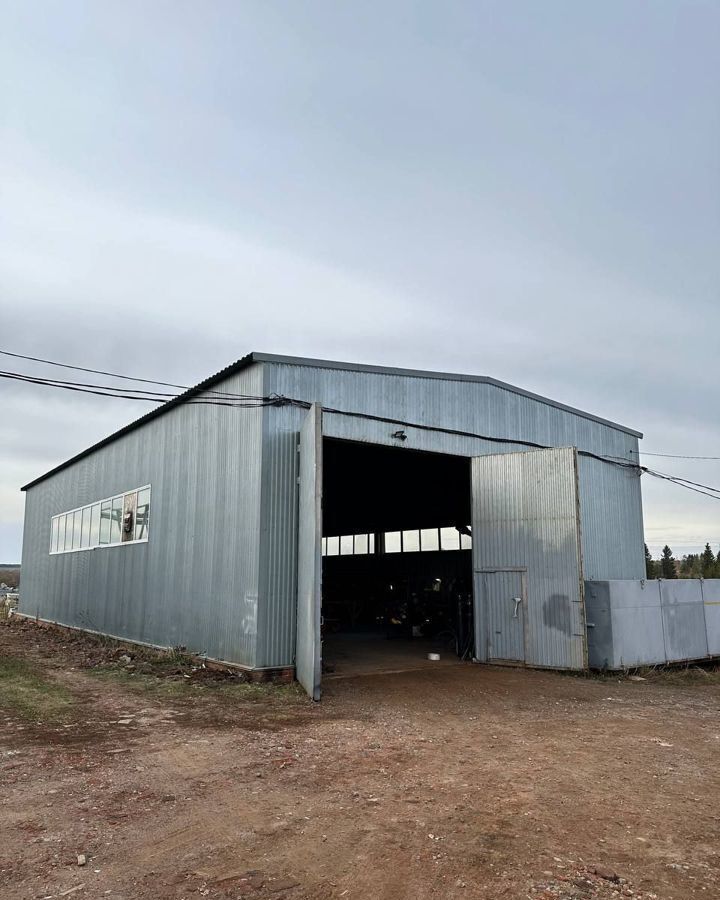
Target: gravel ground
169	781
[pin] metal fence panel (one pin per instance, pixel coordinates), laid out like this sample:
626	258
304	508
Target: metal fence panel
683	619
625	624
711	602
638	623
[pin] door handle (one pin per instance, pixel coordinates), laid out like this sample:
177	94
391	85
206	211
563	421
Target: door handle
517	601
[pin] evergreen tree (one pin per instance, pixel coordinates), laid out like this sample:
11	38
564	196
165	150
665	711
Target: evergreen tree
691	566
650	565
707	562
667	563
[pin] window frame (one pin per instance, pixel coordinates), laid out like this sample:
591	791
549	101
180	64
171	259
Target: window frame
70	515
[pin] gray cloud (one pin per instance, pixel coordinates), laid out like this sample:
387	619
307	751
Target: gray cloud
528	192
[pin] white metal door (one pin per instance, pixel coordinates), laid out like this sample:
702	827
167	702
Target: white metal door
503	594
309	583
526	515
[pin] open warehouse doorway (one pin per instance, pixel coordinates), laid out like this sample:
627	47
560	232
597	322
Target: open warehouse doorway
385	554
396	558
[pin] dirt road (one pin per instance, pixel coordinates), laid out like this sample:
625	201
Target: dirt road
465	782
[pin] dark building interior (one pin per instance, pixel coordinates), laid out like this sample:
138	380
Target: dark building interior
397	569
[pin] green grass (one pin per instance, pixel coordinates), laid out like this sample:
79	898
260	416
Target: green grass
24	692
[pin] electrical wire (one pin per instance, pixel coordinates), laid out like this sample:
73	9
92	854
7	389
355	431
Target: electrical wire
675	456
616	461
687	487
612	460
50	362
695	483
130	394
55	382
242	401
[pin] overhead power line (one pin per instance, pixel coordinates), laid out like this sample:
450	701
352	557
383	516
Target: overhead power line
687	485
243	401
50	362
182	387
675	455
615	461
471	434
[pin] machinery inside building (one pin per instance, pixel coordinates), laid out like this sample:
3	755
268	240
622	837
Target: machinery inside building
397	569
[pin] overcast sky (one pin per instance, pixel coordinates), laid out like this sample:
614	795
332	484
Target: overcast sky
519	189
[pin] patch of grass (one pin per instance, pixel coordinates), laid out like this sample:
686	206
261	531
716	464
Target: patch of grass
178	687
670	673
682	674
156	685
26	693
283	694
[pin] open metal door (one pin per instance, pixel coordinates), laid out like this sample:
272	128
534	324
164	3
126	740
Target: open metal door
526	516
309	582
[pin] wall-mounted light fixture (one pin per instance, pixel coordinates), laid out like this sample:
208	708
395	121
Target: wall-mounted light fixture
399	435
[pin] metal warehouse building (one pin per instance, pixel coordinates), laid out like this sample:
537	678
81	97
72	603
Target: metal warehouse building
328	502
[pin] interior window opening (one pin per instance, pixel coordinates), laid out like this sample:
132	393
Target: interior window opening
128	517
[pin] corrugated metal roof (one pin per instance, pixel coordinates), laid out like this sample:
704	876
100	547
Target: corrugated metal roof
256	357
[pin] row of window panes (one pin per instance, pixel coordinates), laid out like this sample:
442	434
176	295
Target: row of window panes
398	542
348	545
422	539
117	520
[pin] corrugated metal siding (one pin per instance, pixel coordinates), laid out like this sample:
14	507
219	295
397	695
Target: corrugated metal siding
308	662
224	505
711	600
279	533
625	624
465	406
611	521
525	514
195	583
683	614
640	623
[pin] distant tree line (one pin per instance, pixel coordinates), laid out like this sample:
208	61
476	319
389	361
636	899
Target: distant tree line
10	575
694	565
